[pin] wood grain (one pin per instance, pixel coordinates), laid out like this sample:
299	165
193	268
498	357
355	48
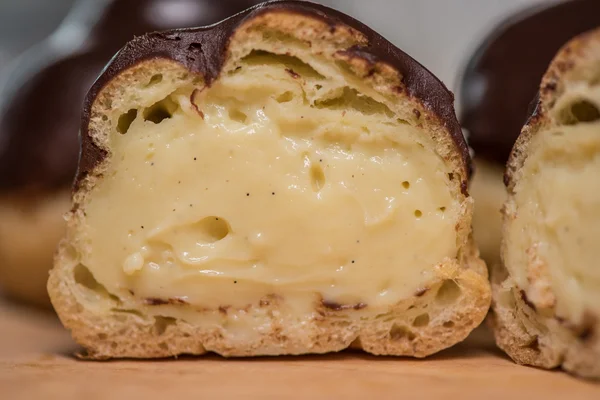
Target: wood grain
36	362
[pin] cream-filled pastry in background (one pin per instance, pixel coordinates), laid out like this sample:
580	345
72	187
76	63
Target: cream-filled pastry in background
546	308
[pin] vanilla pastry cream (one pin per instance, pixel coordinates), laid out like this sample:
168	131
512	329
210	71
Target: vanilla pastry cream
560	190
273	180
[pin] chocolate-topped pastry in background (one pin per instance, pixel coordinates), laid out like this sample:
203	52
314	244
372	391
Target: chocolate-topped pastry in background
546	307
499	83
40	112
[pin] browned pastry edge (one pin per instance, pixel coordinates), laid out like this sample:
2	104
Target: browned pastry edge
551	88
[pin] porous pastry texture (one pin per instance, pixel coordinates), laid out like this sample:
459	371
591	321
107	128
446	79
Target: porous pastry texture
301	98
546	297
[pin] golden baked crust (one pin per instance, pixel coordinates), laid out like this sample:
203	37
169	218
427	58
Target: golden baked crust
543	308
121	325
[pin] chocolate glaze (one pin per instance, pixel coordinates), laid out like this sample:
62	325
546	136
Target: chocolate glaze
504	74
39	125
202	50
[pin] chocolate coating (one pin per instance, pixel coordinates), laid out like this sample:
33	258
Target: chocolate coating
39	125
504	74
202	50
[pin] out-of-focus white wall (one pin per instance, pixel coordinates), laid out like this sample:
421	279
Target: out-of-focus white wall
440	34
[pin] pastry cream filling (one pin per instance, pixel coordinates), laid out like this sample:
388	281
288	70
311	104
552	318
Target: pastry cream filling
558	203
272	181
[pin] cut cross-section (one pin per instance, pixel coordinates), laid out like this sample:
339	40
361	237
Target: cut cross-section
285	201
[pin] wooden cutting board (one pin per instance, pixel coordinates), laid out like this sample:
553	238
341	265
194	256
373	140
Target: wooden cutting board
36	362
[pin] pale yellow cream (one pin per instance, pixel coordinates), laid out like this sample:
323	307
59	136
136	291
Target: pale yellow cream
270	192
558	203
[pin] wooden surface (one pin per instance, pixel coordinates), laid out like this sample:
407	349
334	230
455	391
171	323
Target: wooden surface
36	363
